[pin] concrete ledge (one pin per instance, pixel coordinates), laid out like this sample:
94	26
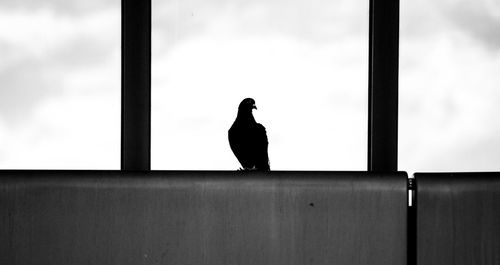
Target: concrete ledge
458	218
199	217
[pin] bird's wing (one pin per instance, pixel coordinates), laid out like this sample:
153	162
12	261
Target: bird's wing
262	144
238	145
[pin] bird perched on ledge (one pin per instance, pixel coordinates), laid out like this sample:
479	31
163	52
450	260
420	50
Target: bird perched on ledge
248	139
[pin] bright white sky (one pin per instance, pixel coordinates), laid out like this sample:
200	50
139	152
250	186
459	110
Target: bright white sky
304	62
449	85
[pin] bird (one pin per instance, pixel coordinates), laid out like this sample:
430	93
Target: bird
248	139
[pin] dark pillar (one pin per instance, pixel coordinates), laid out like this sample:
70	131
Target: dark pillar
136	85
383	85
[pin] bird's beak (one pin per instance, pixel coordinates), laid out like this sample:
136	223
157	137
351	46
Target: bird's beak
254	107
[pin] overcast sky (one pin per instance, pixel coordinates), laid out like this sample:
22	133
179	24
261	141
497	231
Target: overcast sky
449	85
304	62
60	84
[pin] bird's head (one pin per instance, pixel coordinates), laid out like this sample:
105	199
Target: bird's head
247	105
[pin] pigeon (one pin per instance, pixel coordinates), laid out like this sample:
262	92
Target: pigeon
248	139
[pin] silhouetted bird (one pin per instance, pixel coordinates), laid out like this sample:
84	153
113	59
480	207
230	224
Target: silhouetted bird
248	139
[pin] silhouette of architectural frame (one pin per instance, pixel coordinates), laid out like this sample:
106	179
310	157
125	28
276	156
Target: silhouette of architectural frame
382	86
136	85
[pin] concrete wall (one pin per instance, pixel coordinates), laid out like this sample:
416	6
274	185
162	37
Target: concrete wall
458	218
110	217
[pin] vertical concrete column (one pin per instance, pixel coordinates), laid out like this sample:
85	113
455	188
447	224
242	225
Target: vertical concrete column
383	85
136	85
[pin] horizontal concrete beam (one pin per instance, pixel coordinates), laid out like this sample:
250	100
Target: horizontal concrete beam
458	218
112	217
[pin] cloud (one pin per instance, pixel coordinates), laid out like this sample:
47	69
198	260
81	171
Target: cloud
77	131
60	84
478	20
44	53
448	103
322	21
64	7
24	84
305	63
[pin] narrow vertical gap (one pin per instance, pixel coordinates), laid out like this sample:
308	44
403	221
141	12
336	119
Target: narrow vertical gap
412	223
